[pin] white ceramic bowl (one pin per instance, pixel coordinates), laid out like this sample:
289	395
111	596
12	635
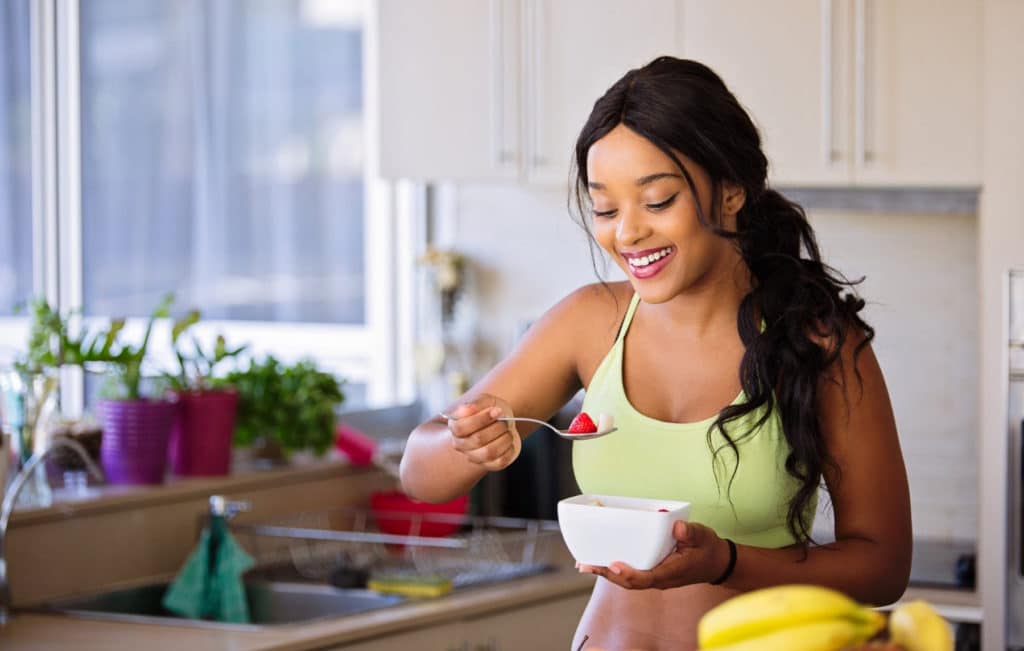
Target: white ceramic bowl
602	529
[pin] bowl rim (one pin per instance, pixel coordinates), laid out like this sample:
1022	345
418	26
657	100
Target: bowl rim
672	506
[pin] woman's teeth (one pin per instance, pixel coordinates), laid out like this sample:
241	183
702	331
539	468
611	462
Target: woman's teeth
648	259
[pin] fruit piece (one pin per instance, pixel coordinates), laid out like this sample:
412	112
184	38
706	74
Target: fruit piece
582	424
760	612
605	422
825	635
917	627
662	510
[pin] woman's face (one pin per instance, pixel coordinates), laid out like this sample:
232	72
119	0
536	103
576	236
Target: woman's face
645	217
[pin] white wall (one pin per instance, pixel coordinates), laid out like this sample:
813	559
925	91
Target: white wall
921	286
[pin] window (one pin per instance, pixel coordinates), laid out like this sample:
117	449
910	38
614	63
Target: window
15	157
218	152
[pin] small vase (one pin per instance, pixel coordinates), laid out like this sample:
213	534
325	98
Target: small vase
29	401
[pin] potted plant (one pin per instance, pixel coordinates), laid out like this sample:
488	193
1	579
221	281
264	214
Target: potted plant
285	409
30	388
135	427
202	433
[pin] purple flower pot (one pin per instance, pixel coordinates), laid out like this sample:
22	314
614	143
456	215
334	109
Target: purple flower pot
203	432
135	434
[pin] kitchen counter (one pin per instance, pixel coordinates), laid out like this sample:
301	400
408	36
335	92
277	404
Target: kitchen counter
38	632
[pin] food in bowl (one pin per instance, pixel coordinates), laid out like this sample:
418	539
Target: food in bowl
602	529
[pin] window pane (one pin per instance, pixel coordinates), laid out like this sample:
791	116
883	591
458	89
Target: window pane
222	158
15	156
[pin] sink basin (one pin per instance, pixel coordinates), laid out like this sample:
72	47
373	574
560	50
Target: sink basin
270	603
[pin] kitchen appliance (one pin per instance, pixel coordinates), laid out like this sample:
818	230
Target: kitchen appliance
1015	406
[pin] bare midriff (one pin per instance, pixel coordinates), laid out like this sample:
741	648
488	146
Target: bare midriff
619	619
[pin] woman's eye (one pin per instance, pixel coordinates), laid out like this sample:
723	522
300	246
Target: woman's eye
663	204
603	213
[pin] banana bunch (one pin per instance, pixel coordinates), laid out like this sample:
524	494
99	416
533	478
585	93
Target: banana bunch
812	618
788	618
917	627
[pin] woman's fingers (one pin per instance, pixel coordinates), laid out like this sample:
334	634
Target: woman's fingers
493	451
480	438
484	440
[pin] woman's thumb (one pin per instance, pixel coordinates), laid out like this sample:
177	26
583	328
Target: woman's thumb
687	533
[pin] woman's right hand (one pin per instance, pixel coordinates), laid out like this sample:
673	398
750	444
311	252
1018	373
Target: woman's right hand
483	440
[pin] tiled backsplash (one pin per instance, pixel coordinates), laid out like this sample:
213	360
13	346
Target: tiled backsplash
921	288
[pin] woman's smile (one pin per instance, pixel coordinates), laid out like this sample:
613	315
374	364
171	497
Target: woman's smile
648	262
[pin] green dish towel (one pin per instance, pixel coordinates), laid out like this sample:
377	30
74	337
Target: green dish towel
209	586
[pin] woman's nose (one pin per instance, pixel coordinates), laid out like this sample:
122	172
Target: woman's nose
631	228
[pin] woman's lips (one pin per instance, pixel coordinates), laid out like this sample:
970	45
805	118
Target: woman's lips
651	269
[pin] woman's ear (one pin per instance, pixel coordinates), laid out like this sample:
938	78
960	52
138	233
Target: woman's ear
733	198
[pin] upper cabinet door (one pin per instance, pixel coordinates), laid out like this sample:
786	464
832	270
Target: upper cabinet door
575	50
917	78
448	89
784	60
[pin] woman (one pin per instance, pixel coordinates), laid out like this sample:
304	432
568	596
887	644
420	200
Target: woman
737	368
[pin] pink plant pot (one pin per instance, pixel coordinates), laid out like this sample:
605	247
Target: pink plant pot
202	434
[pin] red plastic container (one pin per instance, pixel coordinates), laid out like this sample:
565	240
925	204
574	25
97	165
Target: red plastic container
399	514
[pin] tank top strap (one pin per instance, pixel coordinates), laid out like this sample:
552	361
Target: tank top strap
626	320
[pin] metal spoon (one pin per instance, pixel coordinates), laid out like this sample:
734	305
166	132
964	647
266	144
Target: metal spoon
565	434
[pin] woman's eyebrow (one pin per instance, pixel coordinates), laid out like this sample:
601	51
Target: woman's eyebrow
640	182
651	178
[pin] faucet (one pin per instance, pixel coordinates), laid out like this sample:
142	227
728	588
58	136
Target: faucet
19	481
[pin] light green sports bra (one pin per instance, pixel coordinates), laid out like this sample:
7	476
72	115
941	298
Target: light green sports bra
672	461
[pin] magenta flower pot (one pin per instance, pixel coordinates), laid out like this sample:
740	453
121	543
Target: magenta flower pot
203	432
135	435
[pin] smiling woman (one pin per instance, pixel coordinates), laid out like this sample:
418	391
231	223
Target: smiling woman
734	360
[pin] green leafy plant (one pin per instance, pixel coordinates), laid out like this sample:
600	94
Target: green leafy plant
293	405
196	365
52	345
125	380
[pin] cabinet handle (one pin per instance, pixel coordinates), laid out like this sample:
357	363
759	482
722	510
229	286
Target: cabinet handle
864	153
501	153
829	153
535	47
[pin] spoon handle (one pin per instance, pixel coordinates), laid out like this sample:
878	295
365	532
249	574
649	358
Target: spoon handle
563	434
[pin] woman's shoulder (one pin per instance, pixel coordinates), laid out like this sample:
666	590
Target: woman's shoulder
597	306
587	321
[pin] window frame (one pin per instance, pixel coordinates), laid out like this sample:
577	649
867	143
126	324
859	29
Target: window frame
374	353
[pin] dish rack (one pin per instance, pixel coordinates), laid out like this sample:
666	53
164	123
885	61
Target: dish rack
480	550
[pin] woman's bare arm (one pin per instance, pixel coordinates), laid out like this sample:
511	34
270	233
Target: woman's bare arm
535	380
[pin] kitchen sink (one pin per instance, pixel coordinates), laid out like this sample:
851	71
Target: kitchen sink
270	603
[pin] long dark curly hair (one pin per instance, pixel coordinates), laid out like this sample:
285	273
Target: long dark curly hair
682	106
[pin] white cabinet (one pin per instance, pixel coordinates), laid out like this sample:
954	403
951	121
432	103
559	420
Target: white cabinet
861	92
496	91
448	93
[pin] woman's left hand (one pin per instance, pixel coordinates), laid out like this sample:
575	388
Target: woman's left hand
700	556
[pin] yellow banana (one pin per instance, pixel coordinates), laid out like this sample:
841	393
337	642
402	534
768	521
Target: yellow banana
917	627
756	613
826	635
